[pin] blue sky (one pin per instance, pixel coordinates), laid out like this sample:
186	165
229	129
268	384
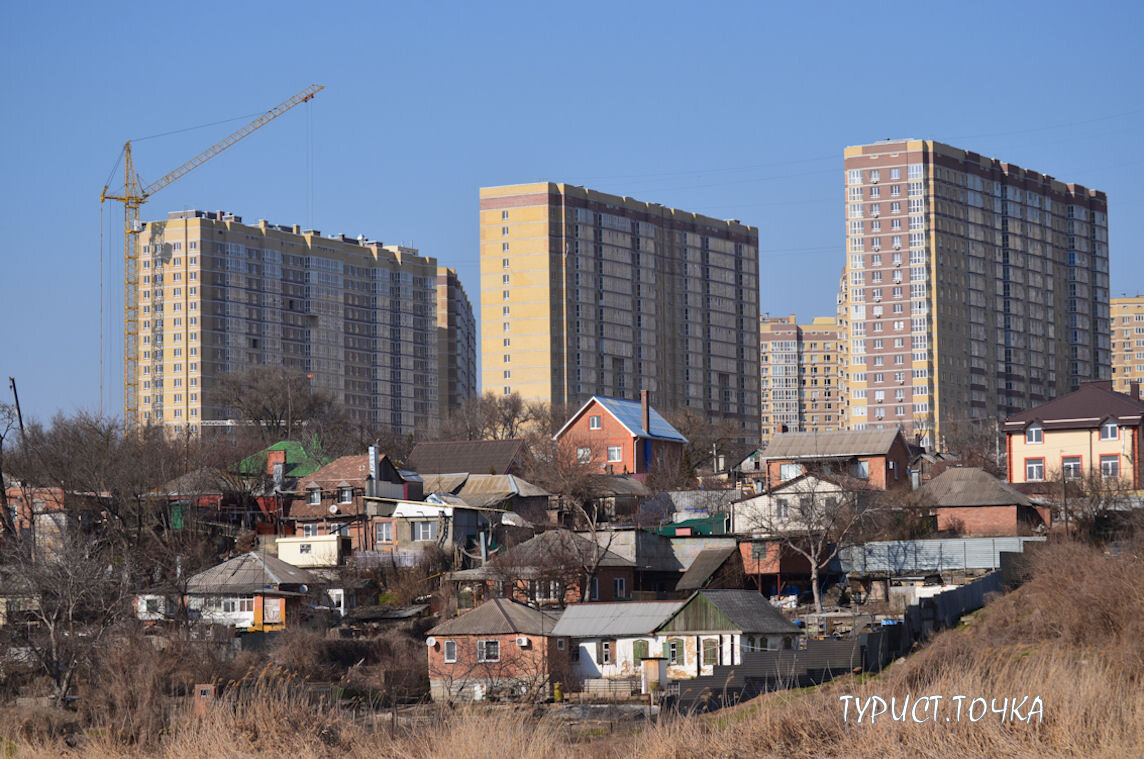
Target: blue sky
736	110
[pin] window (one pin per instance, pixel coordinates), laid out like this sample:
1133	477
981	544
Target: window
1070	467
606	652
675	652
383	532
789	471
1109	431
1110	466
345	495
615	453
619	588
424	530
710	652
1034	470
450	651
309	530
304	548
594	423
583	455
594	589
488	650
782	508
315	497
1034	434
860	469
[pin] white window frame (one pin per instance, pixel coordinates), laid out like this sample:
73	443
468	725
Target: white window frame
383	532
619	587
615	454
595	423
488	651
1035	470
315	498
419	527
1108	427
1034	435
309	530
345	495
583	455
1072	467
449	651
1105	471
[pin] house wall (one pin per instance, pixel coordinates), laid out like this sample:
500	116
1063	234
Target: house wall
991	521
544	660
319	551
1087	444
664	453
572	586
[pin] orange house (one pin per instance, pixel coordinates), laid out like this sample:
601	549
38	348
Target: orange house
622	437
879	457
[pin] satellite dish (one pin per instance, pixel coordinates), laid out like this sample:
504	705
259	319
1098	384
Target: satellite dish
333	509
430	641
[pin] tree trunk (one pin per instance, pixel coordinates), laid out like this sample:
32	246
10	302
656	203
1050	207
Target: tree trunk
814	586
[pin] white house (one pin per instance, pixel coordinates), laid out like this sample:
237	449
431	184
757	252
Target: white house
777	510
611	639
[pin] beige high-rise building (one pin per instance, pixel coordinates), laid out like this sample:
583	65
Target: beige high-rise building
217	296
585	293
974	288
1127	342
457	342
799	375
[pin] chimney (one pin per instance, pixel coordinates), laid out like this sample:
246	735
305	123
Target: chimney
1134	391
645	409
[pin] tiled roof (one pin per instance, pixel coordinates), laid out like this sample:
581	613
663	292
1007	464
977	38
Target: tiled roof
499	616
788	445
630	415
476	456
1085	408
969	486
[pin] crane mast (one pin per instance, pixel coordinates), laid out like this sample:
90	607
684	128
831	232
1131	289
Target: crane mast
133	196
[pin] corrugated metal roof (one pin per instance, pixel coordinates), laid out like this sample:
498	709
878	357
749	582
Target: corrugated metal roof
247	573
923	556
630	415
787	445
614	620
499	616
706	564
747	610
969	486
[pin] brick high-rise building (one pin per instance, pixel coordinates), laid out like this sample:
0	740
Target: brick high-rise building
974	289
1127	342
799	375
217	296
457	342
584	293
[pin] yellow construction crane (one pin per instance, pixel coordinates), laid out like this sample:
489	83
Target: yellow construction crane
133	196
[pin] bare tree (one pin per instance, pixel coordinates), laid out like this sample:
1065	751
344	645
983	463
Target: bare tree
73	594
812	517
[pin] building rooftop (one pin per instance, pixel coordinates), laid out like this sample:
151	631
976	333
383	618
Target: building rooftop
841	444
499	616
1087	407
969	486
614	620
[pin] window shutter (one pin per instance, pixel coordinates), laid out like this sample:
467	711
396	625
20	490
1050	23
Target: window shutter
599	652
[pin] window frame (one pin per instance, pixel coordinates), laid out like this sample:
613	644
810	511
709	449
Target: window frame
379	528
584	455
345	495
595	422
1038	462
1110	458
449	658
416	526
483	647
1034	434
1110	425
615	454
1072	467
314	497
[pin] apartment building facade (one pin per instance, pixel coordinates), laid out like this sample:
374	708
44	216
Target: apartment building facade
217	297
585	293
456	342
799	375
1127	342
973	288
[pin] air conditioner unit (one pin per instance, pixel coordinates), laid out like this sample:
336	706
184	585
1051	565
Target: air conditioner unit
875	213
873	180
898	246
522	641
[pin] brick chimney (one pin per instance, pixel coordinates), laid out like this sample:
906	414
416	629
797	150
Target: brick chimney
645	409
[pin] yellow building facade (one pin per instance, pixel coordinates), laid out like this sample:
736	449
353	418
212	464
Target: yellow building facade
585	293
218	297
1127	342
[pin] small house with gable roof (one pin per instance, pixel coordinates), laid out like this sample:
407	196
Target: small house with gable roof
622	437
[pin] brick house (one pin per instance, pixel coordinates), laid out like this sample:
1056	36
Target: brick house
549	569
879	457
501	649
1090	432
622	437
971	502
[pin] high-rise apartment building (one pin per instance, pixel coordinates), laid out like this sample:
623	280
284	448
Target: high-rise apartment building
974	288
799	375
585	293
457	342
217	297
1127	342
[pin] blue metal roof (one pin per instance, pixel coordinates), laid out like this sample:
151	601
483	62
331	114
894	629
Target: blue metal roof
630	414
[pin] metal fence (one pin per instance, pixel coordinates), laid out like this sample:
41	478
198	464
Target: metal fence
925	556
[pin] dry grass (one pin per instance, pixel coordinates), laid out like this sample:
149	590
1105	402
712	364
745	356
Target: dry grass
1069	636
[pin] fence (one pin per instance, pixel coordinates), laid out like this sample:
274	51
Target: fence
823	660
926	556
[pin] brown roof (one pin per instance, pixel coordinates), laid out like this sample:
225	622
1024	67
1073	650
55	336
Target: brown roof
499	616
476	456
789	445
1087	407
969	486
348	469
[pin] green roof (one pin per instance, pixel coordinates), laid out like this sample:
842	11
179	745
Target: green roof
299	462
713	525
